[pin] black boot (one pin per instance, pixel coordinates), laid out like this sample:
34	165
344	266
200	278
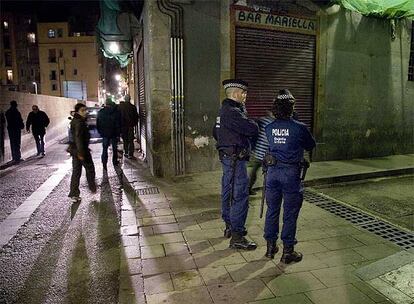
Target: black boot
227	231
272	249
289	255
238	241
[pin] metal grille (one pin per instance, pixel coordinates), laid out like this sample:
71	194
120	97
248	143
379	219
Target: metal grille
147	191
368	222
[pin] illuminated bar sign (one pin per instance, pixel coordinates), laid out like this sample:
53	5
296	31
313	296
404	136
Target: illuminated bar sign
276	21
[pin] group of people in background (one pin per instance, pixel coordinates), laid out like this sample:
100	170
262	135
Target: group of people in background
113	121
37	121
278	141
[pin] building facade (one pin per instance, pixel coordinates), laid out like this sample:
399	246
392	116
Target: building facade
351	76
69	62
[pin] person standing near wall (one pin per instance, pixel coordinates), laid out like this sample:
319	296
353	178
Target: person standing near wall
287	140
81	155
232	132
129	120
15	126
39	122
108	124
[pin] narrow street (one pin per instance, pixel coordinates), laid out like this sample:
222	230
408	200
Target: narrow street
65	253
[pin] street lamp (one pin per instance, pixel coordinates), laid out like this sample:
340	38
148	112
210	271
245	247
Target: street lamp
35	85
114	47
104	91
117	77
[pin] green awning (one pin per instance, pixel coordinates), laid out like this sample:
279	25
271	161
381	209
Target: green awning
390	9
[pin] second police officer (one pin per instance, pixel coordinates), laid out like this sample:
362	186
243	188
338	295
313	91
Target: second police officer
287	139
232	131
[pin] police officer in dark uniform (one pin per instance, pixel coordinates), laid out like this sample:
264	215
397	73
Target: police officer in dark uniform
287	139
232	132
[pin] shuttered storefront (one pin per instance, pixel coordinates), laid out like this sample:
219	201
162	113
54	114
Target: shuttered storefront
141	100
270	60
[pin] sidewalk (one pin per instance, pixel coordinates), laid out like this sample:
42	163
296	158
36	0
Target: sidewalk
174	250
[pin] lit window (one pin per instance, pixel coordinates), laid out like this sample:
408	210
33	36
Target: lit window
31	37
51	33
5	25
76	34
9	76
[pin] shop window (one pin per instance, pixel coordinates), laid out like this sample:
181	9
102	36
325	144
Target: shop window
411	60
51	33
74	53
54	87
52	55
31	37
53	75
9	76
75	71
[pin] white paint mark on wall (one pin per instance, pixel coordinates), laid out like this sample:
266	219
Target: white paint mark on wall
201	141
205	117
368	133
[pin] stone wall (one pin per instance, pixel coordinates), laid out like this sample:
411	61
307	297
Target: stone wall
57	108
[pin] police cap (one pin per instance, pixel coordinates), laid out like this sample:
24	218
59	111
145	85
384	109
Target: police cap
235	83
285	95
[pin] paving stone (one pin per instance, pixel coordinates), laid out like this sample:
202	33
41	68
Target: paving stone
368	238
376	251
340	257
309	247
205	234
293	283
176	249
215	275
189	226
366	289
133	284
253	270
165	228
240	292
200	246
346	294
218	258
340	242
198	295
158	239
341	230
186	279
335	276
130	240
153	251
220	243
157	220
175	263
163	211
158	283
402	279
146	231
258	254
210	224
311	234
309	262
132	252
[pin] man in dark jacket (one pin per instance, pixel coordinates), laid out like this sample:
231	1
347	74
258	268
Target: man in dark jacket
39	122
81	155
14	126
232	132
129	119
108	124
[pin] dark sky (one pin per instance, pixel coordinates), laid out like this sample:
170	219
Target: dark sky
53	11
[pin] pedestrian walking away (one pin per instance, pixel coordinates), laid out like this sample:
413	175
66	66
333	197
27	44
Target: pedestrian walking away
108	124
39	121
129	120
232	131
15	126
81	155
287	139
260	147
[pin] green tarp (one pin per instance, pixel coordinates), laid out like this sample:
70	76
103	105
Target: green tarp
390	9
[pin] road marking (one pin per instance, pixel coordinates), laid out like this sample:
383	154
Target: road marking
22	214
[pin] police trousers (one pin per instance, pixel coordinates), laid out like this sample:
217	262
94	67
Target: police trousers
234	215
283	182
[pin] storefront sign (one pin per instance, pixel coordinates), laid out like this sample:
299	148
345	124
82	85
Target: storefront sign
277	21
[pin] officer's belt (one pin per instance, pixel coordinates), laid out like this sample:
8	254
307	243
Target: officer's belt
269	161
232	153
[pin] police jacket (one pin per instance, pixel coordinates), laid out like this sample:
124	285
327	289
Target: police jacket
287	139
233	129
108	122
80	135
39	121
14	119
129	115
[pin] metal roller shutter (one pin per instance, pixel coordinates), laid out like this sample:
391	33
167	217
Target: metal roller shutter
141	101
271	60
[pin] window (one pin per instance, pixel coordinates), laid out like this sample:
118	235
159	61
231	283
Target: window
74	53
9	76
6	42
51	33
60	32
53	75
32	72
76	34
411	60
52	55
75	71
60	53
5	25
54	87
62	72
8	59
31	37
